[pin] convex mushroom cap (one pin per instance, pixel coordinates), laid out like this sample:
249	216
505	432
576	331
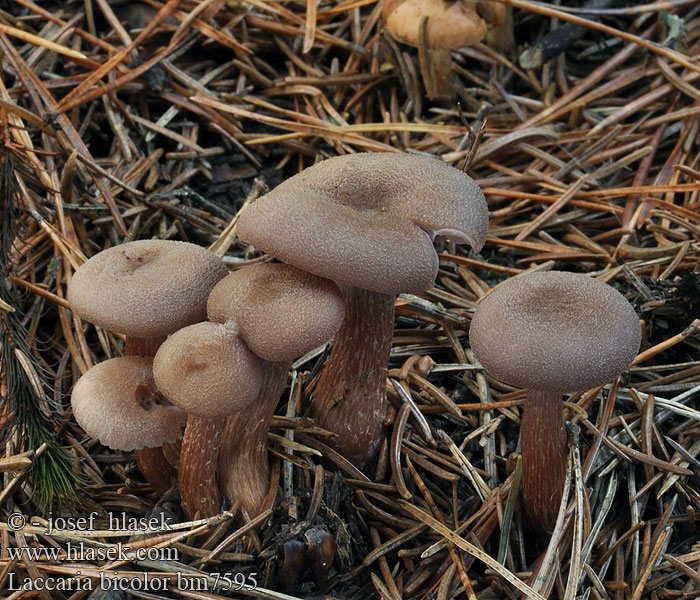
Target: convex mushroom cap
451	24
206	369
555	331
117	402
368	220
282	312
147	288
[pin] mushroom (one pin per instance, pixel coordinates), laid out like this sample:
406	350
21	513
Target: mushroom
449	25
366	221
145	289
282	312
117	403
207	371
551	333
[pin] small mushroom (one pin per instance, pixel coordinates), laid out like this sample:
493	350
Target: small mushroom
366	221
449	25
145	289
551	333
207	371
283	313
117	403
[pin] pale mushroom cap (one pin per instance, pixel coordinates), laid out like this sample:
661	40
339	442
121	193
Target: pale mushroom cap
206	369
451	25
147	288
117	402
555	331
368	220
283	312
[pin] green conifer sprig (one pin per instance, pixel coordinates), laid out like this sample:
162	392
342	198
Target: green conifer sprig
27	413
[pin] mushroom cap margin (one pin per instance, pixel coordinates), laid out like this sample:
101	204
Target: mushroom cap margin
555	331
283	312
368	220
105	404
451	25
207	370
146	288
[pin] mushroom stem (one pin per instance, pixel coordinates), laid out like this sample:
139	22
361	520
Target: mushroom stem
136	346
198	460
500	36
244	471
155	468
152	464
436	69
350	395
544	456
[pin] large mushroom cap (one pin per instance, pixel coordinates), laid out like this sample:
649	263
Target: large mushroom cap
283	312
555	331
368	220
117	403
206	369
450	24
147	288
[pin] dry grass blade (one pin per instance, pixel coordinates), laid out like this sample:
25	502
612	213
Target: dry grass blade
546	573
471	549
133	120
34	39
578	562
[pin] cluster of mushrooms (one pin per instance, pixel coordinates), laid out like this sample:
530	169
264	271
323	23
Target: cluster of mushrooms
209	351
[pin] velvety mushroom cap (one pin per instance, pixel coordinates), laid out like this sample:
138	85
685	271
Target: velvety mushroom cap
283	312
206	369
368	220
450	25
555	331
117	403
147	288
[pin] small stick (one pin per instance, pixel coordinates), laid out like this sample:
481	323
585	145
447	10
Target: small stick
561	38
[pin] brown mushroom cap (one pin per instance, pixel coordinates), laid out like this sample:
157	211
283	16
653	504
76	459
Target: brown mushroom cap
206	369
555	331
117	403
147	288
283	312
368	220
451	25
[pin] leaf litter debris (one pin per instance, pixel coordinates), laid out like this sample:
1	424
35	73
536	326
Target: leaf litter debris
130	120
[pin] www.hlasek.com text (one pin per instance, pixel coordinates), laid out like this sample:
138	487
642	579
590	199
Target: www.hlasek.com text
83	552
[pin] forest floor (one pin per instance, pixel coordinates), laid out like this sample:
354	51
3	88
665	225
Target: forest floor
133	120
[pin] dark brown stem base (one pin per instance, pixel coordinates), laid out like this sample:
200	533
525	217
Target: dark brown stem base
198	460
154	467
244	471
350	396
543	446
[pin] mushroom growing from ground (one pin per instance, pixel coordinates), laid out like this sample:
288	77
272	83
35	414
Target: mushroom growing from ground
552	333
208	371
449	25
146	289
283	313
366	221
228	375
117	403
